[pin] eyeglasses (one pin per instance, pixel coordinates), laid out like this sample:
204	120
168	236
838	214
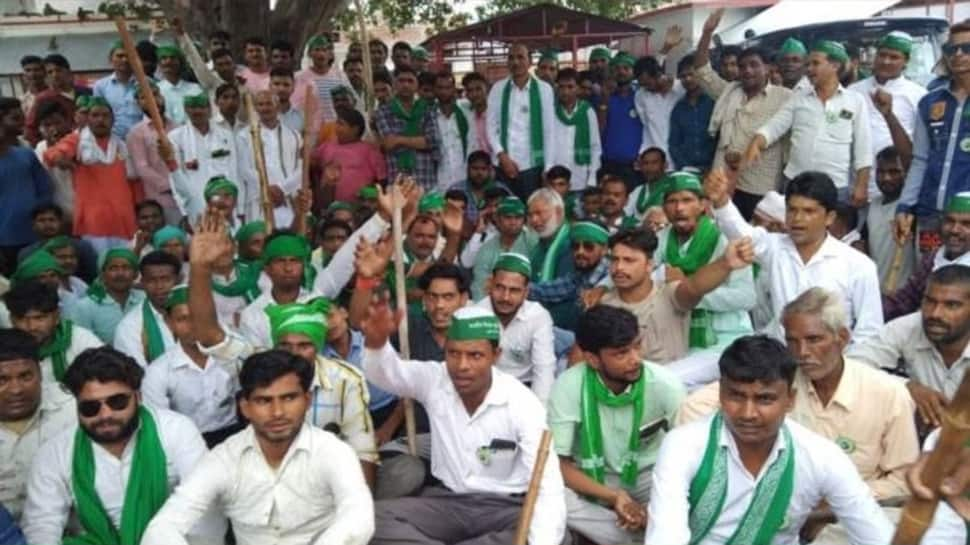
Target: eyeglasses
92	407
951	49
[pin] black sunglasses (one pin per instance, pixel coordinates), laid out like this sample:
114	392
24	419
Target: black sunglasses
92	407
951	49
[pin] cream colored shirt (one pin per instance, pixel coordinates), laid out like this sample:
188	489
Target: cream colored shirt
870	417
663	324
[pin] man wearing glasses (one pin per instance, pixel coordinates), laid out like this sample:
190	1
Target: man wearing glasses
86	468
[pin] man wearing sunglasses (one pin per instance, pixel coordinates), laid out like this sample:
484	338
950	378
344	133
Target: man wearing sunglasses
941	146
117	466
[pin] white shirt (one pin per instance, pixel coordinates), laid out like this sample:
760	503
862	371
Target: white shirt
836	267
206	395
519	140
822	472
129	334
947	527
81	340
527	347
509	412
174	94
564	152
284	168
316	496
654	110
50	497
254	323
452	155
17	452
832	137
192	148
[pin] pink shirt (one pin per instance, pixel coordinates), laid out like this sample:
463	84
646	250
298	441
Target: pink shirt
361	163
481	131
322	84
142	142
255	81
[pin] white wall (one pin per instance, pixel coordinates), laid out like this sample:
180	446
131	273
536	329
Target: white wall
961	11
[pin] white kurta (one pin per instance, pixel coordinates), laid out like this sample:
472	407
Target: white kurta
284	168
564	154
128	335
519	128
452	155
654	110
211	154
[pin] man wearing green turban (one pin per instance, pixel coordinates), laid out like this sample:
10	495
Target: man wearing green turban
222	195
509	220
40	266
548	66
792	63
110	297
174	89
66	254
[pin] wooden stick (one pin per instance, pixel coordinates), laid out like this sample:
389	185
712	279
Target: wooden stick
402	303
954	434
309	105
260	160
529	505
365	49
897	265
154	113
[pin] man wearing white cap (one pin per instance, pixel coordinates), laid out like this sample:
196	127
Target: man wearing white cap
770	213
486	428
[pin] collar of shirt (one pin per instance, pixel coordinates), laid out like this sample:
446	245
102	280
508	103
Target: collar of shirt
185	361
727	440
356	348
845	392
830	248
113	79
921	342
496	396
301	442
838	91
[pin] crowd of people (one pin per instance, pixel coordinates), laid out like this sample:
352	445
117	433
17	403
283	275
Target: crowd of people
738	298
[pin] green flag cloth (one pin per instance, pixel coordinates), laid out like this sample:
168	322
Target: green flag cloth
766	512
462	122
220	184
152	340
595	392
559	244
579	119
37	263
473	324
145	493
56	348
699	251
245	284
513	262
367	192
308	319
413	126
537	153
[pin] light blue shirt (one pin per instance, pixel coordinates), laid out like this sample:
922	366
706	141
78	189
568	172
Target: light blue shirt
378	398
174	94
102	318
123	101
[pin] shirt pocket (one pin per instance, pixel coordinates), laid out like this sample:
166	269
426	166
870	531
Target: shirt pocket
836	131
498	464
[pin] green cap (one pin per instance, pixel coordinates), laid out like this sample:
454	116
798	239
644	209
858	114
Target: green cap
178	296
367	192
167	233
219	184
599	53
168	50
432	202
510	206
420	53
473	324
56	243
117	253
623	58
587	231
898	40
308	319
82	102
247	231
286	245
320	40
549	55
94	102
793	46
117	44
959	203
834	50
340	205
680	181
513	262
196	101
34	265
341	90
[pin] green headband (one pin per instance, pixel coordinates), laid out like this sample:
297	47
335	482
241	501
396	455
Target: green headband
83	102
37	263
900	41
287	245
680	181
834	50
367	192
308	319
168	50
178	296
56	243
513	262
432	202
247	231
793	46
167	233
94	102
196	101
549	55
473	324
320	40
959	203
600	53
340	205
220	184
623	58
117	44
118	253
419	53
510	206
587	231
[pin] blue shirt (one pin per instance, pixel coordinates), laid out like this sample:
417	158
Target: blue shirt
10	533
623	132
689	143
123	101
24	184
378	398
102	317
471	208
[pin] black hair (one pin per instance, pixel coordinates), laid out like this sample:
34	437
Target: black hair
377	41
949	275
220	35
149	203
849	215
45	207
102	364
352	60
158	257
754	51
567	74
30	295
446	271
584	75
456	195
479	156
472	77
30	59
225	88
8	104
254	40
401	45
685	63
57	60
731	51
48	108
649	66
427	78
405	70
604	326
816	186
654	149
331	223
381	75
353	118
264	368
443	74
18	345
591	191
146	51
221	52
281	72
757	358
639	239
559	171
888	154
282	45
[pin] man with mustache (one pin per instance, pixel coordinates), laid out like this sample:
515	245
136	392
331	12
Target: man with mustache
87	468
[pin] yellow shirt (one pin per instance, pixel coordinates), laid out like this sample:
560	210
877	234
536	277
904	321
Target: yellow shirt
870	416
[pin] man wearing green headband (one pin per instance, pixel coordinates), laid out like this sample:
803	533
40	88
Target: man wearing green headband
172	241
512	236
792	63
366	204
520	124
622	134
548	66
576	125
143	333
172	86
484	462
599	62
420	59
691	241
110	297
65	253
527	339
222	195
608	417
40	266
828	128
118	88
324	77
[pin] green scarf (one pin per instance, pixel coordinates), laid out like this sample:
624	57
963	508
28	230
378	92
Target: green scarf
559	244
151	334
698	253
56	348
580	120
145	493
462	127
649	198
591	444
413	120
535	121
245	285
768	508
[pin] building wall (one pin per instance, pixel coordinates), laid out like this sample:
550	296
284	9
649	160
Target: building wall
961	11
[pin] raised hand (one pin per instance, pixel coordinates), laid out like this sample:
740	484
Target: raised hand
380	322
753	154
883	102
370	260
331	173
739	253
672	38
713	20
453	218
717	187
211	243
903	227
